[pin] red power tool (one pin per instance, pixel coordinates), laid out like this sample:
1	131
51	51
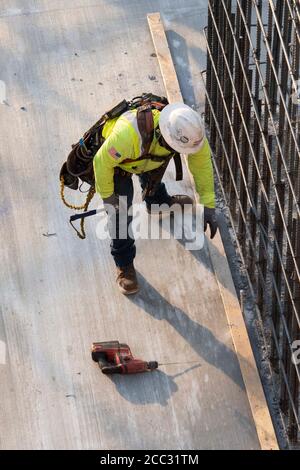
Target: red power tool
116	358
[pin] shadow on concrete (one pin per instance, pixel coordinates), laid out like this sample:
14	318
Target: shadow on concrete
143	389
179	52
152	387
201	339
202	255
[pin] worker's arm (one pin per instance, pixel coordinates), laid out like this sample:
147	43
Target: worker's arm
116	148
200	166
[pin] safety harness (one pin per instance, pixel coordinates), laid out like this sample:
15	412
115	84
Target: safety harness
78	168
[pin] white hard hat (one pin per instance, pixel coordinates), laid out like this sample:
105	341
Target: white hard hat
182	128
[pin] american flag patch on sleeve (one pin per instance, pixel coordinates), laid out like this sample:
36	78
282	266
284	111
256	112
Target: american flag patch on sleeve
114	153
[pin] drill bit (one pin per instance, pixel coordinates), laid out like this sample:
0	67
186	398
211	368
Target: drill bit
177	363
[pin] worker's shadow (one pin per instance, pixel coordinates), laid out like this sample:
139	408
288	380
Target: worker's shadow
202	340
180	55
203	255
151	387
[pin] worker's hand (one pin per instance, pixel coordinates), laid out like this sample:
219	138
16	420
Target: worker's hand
211	220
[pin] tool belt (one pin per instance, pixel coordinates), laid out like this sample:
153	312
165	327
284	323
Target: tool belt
126	174
154	179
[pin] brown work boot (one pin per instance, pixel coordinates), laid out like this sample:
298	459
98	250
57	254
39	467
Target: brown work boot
180	199
126	280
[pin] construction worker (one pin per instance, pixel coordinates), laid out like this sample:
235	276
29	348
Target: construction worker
177	128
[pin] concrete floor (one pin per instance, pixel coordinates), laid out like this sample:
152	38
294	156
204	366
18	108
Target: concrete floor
66	62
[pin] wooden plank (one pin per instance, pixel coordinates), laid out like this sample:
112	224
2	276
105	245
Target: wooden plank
257	400
164	58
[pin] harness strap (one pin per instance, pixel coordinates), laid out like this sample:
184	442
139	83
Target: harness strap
146	127
154	158
178	167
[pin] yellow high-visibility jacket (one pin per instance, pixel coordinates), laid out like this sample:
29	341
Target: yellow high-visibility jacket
123	141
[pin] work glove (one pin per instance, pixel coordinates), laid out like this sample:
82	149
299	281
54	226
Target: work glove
211	220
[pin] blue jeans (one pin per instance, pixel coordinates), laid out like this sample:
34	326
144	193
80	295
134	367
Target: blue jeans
124	250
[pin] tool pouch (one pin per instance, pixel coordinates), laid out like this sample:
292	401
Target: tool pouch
79	164
70	180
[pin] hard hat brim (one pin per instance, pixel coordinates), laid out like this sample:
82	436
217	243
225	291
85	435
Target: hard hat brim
164	124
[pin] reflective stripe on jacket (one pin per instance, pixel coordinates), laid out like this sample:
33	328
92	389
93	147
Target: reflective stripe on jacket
123	141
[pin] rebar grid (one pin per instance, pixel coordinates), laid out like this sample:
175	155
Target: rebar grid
253	115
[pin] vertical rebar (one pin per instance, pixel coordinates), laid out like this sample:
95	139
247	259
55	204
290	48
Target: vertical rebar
246	109
257	152
236	121
262	300
207	117
279	233
228	45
